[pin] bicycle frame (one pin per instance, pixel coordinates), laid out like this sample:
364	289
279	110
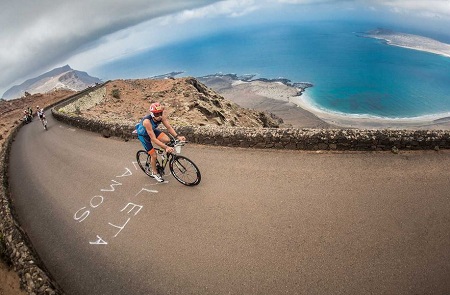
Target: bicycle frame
167	157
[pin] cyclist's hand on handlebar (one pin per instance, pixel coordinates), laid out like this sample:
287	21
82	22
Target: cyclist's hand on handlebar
169	149
181	138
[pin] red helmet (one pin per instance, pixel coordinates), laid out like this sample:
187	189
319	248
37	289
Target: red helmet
156	108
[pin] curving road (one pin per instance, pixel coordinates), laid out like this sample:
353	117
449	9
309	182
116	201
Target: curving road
260	222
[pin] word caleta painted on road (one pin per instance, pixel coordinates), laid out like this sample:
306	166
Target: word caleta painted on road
129	210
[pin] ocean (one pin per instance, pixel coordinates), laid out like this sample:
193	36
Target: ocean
352	75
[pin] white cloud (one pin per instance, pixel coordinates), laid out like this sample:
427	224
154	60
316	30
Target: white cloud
230	8
428	8
37	35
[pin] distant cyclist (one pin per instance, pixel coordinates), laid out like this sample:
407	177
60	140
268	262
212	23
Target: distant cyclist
26	116
41	115
147	133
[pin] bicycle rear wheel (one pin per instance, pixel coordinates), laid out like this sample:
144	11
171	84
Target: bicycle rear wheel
185	171
143	159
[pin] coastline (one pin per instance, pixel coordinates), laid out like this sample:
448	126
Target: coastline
276	96
410	41
291	102
438	121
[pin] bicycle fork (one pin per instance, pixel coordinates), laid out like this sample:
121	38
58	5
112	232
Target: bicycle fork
179	165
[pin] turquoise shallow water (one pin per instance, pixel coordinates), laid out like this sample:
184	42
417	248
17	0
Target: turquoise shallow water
350	74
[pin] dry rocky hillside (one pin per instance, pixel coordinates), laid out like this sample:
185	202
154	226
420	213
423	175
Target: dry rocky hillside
187	101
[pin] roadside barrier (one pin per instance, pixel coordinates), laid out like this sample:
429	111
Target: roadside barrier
284	138
34	278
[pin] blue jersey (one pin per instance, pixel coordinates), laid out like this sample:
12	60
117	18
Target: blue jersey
140	128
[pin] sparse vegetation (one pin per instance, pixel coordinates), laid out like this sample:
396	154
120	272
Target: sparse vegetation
115	93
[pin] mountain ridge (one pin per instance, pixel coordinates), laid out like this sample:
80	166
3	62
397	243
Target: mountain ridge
59	78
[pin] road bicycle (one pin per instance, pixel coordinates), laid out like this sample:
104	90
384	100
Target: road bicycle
182	168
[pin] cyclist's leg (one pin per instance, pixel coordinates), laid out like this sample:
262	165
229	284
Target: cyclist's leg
146	142
162	136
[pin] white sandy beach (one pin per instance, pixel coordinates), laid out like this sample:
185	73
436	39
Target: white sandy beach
272	97
439	121
300	112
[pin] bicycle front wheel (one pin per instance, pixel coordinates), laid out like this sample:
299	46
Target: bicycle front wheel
143	159
185	171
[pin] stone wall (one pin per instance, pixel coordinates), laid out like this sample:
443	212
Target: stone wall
34	278
285	138
324	139
85	102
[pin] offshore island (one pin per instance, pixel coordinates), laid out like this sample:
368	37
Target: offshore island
410	41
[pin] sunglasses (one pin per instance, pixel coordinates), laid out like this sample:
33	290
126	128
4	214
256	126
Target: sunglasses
158	114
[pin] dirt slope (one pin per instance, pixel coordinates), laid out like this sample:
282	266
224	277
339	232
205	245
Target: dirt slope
187	101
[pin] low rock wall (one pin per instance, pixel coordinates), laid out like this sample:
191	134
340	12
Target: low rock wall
85	101
312	139
285	138
34	278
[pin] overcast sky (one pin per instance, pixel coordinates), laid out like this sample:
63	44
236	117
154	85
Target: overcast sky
37	36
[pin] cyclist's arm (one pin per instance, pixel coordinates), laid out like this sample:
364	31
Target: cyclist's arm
149	128
170	129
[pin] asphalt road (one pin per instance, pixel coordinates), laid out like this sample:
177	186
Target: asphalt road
260	222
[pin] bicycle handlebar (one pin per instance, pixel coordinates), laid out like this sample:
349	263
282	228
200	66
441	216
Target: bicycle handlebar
176	142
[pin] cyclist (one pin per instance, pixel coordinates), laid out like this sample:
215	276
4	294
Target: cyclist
147	131
26	116
40	113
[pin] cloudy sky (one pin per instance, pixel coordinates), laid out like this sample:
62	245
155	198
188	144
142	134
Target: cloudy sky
37	36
